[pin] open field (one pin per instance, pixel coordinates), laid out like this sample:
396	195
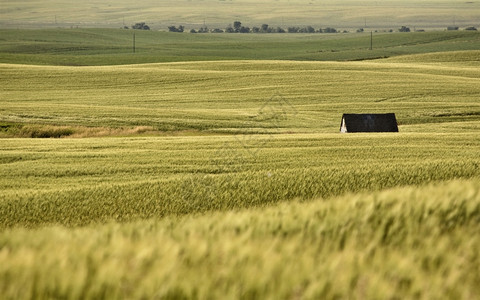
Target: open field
81	181
409	243
246	97
351	14
224	176
83	47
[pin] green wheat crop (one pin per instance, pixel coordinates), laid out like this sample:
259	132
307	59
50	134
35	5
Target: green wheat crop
420	243
230	180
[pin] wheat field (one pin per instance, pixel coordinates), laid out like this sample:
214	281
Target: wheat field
229	179
159	14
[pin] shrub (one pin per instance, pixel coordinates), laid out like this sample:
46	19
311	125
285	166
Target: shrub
141	26
175	29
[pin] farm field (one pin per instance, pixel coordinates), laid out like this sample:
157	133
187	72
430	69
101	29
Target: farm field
160	14
89	47
410	242
81	181
224	176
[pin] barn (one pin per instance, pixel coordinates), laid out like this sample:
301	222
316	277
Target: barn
369	123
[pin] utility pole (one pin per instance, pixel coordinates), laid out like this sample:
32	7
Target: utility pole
371	40
134	41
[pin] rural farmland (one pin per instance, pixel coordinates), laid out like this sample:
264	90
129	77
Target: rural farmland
211	166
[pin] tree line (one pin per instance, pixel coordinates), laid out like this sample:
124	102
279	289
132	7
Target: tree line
237	27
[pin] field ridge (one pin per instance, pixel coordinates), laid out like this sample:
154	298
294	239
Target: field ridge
377	245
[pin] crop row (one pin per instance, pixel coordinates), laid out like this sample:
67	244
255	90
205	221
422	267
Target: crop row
81	181
403	243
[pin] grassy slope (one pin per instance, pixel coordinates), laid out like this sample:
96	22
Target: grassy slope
246	97
269	98
214	13
79	181
113	47
420	243
164	176
413	242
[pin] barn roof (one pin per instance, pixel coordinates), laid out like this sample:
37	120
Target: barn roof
369	123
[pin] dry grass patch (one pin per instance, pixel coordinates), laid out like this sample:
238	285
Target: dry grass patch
14	130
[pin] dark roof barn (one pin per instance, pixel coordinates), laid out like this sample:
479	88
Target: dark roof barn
369	123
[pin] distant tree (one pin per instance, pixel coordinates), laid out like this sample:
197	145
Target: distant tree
193	31
360	30
255	29
216	30
404	29
310	29
471	28
203	30
330	30
229	29
141	26
244	29
280	30
452	28
264	28
293	29
175	29
237	25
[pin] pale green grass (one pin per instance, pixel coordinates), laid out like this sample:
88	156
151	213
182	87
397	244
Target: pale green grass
194	13
264	108
405	243
261	198
83	47
80	181
247	96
